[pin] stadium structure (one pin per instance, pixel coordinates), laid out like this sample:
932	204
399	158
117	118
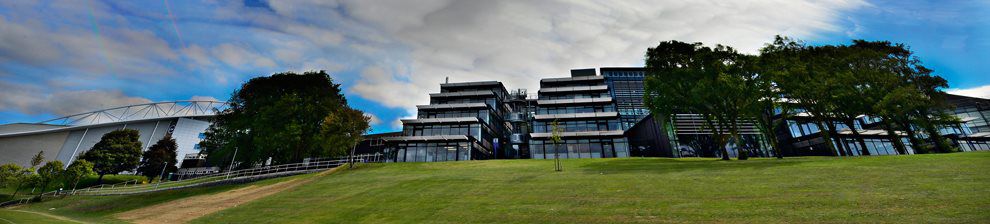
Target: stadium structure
65	138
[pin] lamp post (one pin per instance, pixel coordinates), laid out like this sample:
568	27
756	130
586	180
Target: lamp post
353	147
164	165
231	168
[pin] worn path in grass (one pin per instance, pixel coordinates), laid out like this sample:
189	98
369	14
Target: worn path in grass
935	188
22	216
184	210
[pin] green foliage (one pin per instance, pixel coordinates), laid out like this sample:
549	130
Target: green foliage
37	159
160	155
93	180
719	84
116	152
287	117
51	171
10	174
555	139
77	170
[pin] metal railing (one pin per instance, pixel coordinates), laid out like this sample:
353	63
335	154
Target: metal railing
237	176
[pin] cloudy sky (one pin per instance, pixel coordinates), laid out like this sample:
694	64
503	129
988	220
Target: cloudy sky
64	57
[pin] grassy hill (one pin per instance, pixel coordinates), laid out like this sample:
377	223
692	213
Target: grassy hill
903	189
101	209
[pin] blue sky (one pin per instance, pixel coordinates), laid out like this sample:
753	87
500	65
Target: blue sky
64	57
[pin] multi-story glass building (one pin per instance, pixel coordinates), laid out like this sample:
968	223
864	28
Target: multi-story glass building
801	135
626	85
601	113
464	121
585	113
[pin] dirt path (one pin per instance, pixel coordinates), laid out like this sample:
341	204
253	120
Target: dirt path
184	210
46	215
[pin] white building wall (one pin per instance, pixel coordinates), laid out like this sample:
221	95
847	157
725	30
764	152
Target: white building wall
187	135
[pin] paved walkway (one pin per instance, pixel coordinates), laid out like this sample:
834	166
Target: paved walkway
187	209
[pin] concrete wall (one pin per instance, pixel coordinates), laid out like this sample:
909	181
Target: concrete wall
187	135
20	149
67	145
149	134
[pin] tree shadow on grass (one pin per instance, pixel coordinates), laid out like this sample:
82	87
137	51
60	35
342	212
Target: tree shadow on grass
671	165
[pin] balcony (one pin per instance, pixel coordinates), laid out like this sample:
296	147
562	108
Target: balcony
545	135
462	94
441	120
517	138
575	101
572	79
452	106
575	116
598	88
517	117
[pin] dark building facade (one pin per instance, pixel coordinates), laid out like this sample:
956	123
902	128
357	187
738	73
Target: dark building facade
974	133
801	135
601	113
586	117
464	121
626	85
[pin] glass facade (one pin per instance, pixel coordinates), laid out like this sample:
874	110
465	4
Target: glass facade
596	109
627	90
433	151
582	135
454	126
580	148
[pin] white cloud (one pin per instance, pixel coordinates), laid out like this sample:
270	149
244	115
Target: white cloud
402	49
518	42
396	123
373	119
33	100
204	98
979	91
235	55
381	85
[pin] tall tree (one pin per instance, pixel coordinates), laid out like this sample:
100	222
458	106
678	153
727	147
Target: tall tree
285	117
51	171
555	131
804	74
771	109
9	173
77	170
340	131
714	83
13	173
161	155
117	151
37	159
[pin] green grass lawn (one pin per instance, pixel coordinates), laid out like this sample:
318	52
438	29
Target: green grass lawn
100	209
892	189
12	216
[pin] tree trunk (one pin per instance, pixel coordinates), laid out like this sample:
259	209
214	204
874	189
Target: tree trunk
19	183
839	144
743	152
772	135
100	179
44	186
721	145
894	138
828	139
859	138
912	137
936	138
